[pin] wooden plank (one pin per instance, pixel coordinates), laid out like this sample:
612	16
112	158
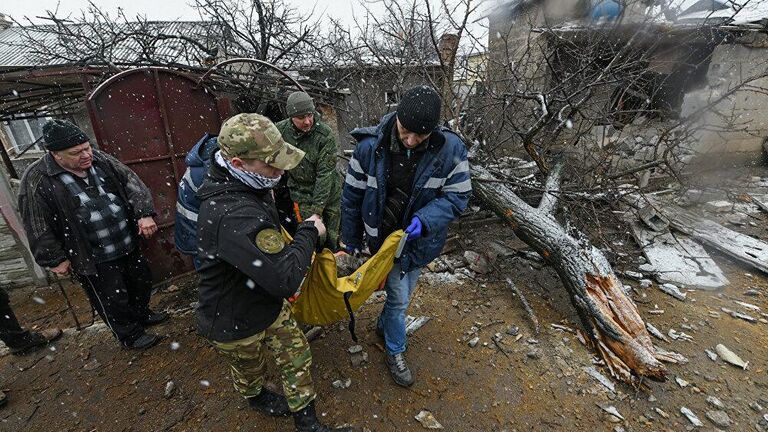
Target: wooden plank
740	247
678	260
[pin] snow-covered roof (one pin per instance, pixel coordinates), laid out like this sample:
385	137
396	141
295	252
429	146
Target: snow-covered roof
727	12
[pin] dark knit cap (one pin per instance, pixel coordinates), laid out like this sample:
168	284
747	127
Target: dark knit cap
419	109
298	104
61	134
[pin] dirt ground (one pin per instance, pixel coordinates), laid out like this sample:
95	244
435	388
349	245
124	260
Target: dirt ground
86	382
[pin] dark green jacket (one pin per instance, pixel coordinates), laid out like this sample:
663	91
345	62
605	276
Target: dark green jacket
315	184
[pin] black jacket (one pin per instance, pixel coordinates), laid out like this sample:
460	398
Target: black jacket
242	288
49	211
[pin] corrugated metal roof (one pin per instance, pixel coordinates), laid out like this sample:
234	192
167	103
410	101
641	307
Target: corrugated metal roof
127	44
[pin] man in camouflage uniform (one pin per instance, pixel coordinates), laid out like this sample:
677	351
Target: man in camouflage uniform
315	184
247	271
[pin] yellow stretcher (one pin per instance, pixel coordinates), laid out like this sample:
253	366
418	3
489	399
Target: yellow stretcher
326	298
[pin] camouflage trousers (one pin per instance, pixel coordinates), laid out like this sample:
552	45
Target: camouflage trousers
332	220
290	350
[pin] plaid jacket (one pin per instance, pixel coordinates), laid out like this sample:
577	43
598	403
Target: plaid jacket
49	211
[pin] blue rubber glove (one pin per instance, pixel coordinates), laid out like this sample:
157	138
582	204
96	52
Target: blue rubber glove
414	229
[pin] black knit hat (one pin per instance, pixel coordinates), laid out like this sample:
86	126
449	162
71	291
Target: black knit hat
419	109
61	134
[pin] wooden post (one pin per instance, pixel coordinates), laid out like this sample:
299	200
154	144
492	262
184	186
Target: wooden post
10	213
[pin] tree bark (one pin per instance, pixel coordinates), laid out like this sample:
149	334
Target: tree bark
607	313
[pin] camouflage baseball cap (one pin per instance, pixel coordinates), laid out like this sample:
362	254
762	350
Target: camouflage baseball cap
253	136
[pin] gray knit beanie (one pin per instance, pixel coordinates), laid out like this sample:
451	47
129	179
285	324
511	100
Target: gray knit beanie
298	104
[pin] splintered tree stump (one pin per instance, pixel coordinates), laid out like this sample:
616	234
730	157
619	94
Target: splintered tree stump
610	317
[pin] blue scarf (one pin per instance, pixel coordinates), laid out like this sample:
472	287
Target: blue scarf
256	181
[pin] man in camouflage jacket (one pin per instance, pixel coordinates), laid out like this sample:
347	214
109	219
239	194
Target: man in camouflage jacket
315	184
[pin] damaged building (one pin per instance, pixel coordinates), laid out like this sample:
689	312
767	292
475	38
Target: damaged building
695	79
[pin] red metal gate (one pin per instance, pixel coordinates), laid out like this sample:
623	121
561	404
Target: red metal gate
149	118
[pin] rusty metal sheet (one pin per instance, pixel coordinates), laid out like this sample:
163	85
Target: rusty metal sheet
149	119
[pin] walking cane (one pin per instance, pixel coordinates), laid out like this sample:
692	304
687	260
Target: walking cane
69	304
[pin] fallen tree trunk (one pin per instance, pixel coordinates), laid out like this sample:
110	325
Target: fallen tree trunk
608	314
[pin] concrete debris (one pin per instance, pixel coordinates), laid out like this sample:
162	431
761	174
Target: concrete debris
718	206
674	291
655	332
674	334
427	419
681	382
741	247
675	258
414	323
691	417
749	306
357	356
645	283
478	262
730	357
473	342
170	388
339	384
715	402
712	356
633	275
602	379
739	315
610	409
719	418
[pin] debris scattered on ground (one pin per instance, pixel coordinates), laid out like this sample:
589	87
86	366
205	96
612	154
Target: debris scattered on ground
427	419
673	290
674	334
715	402
414	323
674	258
712	356
719	418
170	388
342	384
357	356
610	409
739	315
655	332
730	357
691	417
92	365
602	379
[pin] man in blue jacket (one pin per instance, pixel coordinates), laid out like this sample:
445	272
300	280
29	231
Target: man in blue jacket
405	173
198	161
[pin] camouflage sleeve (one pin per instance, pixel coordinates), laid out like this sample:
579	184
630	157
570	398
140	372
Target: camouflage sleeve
326	174
139	195
36	214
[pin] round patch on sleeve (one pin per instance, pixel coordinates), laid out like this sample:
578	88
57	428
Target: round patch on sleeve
269	240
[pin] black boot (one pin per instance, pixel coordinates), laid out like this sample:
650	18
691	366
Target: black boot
306	421
270	403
